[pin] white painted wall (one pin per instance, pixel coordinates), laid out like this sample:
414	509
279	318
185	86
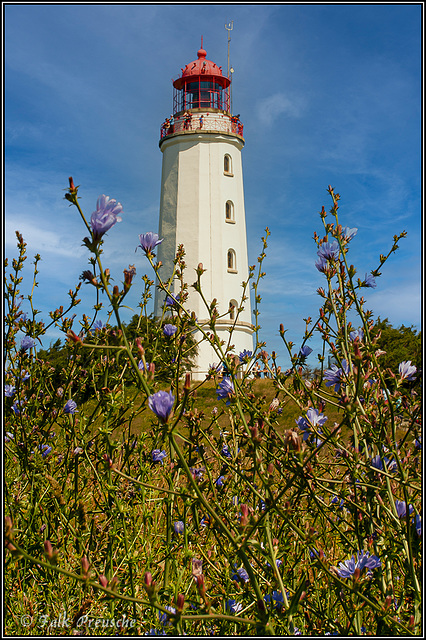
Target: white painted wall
194	190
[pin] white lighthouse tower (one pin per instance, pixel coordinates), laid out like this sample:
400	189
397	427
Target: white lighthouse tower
202	204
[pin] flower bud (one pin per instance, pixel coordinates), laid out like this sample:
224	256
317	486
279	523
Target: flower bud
187	385
103	581
180	602
85	567
201	587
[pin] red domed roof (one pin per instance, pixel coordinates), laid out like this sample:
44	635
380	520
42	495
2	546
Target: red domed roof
201	67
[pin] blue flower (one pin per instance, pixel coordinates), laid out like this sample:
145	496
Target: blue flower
358	333
313	419
322	265
158	456
161	403
336	376
225	451
215	368
377	463
27	343
240	575
407	371
401	508
348	233
277	599
106	215
45	450
335	500
329	250
225	390
98	325
172	300
364	561
220	482
234	606
148	241
9	436
369	281
163	617
314	553
169	329
179	527
141	365
70	407
305	351
9	390
418	523
245	355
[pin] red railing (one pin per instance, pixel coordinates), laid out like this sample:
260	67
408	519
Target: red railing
202	122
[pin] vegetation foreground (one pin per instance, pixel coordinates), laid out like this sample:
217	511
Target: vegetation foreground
141	503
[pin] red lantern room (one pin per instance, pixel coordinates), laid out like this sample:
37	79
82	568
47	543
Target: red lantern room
201	86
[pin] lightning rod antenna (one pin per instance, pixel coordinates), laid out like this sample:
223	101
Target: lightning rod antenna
229	28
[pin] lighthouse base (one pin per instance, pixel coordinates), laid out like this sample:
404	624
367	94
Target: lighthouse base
236	338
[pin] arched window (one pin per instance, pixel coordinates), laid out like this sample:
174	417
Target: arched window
232	262
227	165
229	211
232	309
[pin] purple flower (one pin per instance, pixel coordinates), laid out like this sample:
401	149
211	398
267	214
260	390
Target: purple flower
277	599
234	606
9	390
148	241
158	456
172	300
27	343
225	390
70	407
377	463
418	523
401	508
225	451
313	419
45	450
98	325
347	569
220	482
169	329
163	617
141	365
336	375
329	250
369	281
9	436
348	233
161	403
245	355
179	527
106	215
407	371
358	333
305	351
240	575
322	265
215	368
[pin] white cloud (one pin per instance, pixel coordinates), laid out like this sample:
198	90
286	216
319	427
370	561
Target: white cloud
271	108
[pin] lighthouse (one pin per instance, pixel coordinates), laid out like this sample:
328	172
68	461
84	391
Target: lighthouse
202	205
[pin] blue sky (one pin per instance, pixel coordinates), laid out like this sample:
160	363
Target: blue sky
328	94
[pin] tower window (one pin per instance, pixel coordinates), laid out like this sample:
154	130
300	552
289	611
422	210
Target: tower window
227	165
232	309
229	211
232	261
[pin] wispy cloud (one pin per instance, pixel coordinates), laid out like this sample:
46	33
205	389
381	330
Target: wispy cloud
273	107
